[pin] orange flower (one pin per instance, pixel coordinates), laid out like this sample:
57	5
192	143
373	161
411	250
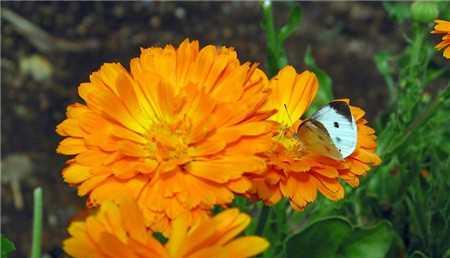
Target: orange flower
297	175
179	133
443	27
119	231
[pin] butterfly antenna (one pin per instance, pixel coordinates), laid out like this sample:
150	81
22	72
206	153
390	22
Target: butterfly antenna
287	112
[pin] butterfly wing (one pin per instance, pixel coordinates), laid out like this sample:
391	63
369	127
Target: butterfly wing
315	139
331	131
340	125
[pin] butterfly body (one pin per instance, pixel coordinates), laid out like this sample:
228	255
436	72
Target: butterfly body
331	131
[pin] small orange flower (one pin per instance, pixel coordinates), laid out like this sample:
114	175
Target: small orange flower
297	175
179	133
443	27
120	231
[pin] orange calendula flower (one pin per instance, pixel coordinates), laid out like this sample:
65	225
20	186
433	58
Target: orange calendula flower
443	27
296	174
120	231
179	133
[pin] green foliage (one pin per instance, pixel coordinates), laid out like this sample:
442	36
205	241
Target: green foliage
412	184
325	94
406	198
276	228
368	242
7	247
311	242
291	26
400	11
423	11
382	62
276	54
276	38
337	238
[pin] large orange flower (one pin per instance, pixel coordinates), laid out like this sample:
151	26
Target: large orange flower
443	27
178	133
298	175
120	231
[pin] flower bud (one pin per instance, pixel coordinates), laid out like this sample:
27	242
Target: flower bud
422	11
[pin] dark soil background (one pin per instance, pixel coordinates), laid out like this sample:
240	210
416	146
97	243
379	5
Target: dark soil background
41	70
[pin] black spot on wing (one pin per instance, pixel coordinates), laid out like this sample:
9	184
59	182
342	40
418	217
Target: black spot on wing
338	139
336	124
341	107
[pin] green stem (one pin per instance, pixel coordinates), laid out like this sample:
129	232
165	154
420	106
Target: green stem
358	209
420	119
262	221
275	51
37	223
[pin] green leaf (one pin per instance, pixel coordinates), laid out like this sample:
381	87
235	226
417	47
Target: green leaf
372	242
321	239
6	247
325	93
433	74
292	25
382	62
398	248
418	254
447	253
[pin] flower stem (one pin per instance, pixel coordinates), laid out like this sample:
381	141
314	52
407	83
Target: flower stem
276	55
419	120
37	223
262	221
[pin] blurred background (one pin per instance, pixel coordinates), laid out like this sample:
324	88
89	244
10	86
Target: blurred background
49	48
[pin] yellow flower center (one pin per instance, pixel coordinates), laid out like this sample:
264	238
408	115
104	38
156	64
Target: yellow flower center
288	138
291	143
167	143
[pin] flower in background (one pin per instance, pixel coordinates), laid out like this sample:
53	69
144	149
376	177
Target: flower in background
120	231
443	27
297	175
179	133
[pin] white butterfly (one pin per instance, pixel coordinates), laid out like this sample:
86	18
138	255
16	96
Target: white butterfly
331	131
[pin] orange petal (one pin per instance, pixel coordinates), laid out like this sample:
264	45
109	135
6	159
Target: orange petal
329	172
93	158
331	188
71	146
357	112
178	236
70	127
226	168
447	52
75	173
132	149
241	185
90	184
133	221
247	246
186	54
230	89
76	110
